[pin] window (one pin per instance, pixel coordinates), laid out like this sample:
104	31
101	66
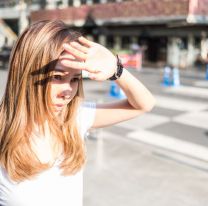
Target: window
110	42
96	1
197	42
125	42
183	44
70	2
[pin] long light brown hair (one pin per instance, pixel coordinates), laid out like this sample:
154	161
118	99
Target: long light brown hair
27	103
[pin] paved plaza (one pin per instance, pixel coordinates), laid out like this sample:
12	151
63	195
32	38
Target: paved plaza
158	159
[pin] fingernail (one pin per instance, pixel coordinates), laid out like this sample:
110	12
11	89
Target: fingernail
65	45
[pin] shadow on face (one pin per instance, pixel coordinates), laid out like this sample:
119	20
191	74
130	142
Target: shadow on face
45	72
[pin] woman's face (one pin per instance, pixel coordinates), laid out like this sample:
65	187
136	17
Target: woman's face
64	86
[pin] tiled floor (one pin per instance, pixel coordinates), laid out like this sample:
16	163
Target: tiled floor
126	172
158	159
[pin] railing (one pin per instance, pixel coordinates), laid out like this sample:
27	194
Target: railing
8	3
11	3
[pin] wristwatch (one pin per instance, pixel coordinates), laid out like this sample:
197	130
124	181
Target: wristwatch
119	70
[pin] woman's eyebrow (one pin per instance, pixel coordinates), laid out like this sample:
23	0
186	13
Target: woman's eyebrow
77	75
59	70
63	71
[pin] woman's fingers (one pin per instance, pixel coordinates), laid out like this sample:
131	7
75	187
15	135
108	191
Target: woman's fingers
85	41
86	51
66	55
75	52
77	65
79	47
73	64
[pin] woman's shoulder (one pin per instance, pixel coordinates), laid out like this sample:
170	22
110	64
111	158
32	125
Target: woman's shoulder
86	116
86	107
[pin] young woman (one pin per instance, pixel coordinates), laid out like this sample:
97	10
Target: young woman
44	117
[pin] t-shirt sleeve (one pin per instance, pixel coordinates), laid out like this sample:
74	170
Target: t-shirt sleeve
86	117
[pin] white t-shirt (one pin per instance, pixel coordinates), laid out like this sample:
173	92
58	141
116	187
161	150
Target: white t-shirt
49	188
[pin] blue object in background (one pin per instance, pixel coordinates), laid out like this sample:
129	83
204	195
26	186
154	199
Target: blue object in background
167	77
206	77
176	77
116	91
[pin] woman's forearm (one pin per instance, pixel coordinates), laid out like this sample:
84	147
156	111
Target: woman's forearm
137	94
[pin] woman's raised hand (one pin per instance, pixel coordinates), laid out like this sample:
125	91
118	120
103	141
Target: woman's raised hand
92	57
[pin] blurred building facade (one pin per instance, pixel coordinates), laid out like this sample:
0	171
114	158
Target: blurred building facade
172	32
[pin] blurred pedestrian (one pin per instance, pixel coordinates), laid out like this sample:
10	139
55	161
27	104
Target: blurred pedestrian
44	116
135	48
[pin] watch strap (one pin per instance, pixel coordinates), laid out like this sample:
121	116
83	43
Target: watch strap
119	70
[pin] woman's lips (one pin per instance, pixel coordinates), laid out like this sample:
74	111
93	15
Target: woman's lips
59	105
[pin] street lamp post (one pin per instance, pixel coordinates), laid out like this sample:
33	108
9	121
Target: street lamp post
23	19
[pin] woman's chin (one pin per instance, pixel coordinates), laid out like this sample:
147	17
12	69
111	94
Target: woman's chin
59	109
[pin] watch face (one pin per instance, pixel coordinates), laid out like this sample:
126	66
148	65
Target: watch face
116	75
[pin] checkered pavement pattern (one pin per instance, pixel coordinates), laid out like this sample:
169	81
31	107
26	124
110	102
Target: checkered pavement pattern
177	122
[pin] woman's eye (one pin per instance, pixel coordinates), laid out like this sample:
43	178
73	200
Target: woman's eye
57	77
75	80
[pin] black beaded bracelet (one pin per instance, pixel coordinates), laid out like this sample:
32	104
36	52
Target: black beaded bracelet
119	70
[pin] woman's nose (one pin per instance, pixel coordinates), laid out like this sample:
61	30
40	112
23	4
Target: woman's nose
66	90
